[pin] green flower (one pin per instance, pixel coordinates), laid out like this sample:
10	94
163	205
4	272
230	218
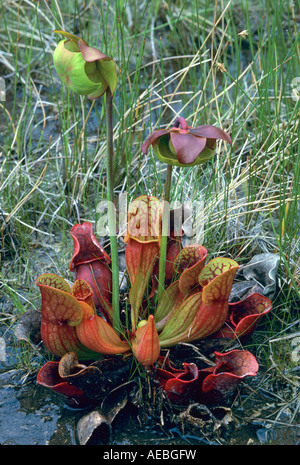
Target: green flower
185	146
85	70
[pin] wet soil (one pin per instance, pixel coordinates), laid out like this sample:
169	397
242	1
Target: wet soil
32	416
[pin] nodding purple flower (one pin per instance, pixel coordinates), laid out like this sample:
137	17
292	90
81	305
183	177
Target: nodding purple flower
183	145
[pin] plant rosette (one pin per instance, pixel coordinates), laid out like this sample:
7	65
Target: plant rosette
194	306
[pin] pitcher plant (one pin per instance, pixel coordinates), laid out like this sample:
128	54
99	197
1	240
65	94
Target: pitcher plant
174	295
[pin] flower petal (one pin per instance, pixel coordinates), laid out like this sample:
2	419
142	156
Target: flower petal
90	53
211	132
187	146
163	153
153	136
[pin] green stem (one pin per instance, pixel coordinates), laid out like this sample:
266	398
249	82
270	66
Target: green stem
111	212
164	236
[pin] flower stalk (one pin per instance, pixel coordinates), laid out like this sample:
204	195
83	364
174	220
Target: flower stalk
165	220
87	71
164	236
111	211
